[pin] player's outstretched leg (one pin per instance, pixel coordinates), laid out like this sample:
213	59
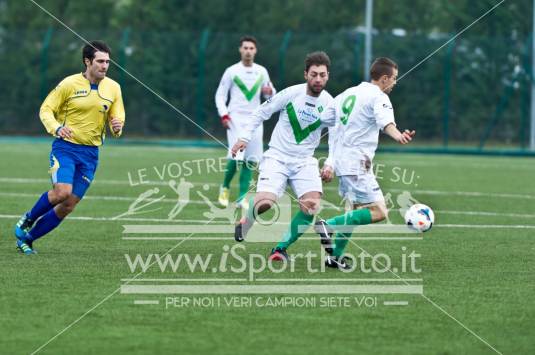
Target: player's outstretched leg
309	204
325	232
47	223
352	218
246	174
224	190
359	216
292	234
44	205
44	225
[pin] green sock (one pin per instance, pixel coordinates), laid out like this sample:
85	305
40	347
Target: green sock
356	217
352	218
250	212
229	172
293	233
245	178
340	242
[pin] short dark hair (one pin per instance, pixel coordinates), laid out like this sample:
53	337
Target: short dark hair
92	47
248	38
382	66
317	58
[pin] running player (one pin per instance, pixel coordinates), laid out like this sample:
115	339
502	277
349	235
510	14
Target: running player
361	113
289	159
245	81
76	113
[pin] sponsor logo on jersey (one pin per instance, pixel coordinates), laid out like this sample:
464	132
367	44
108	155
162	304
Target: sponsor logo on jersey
309	104
81	92
307	116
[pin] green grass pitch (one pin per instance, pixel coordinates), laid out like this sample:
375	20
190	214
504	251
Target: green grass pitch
475	269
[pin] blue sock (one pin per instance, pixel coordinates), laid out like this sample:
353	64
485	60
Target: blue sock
44	225
41	207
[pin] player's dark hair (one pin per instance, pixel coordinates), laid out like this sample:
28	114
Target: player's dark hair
90	49
317	58
382	66
248	38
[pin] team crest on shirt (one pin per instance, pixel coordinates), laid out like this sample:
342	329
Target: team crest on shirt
104	109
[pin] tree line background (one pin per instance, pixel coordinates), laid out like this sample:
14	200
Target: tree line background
473	91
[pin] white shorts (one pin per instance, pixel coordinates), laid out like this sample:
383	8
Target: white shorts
254	149
303	176
360	189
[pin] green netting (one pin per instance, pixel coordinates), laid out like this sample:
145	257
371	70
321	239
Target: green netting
474	91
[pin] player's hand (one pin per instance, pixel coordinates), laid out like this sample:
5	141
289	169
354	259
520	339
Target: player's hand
240	145
116	125
327	173
64	132
225	121
267	90
406	136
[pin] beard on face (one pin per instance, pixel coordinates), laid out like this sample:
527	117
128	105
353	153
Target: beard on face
316	89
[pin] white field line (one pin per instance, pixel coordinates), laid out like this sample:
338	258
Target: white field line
199	202
486	226
188	280
329	188
108	219
111	219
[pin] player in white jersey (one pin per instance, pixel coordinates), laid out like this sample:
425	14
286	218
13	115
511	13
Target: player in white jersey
361	113
245	81
289	159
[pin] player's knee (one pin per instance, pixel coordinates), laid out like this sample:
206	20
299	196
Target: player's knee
263	205
64	209
61	193
379	213
69	207
310	206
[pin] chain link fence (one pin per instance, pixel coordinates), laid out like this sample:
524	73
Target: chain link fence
472	93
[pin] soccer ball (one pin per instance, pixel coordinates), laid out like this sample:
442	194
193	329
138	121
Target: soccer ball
420	217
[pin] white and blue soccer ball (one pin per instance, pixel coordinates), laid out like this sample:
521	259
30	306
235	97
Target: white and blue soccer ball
420	217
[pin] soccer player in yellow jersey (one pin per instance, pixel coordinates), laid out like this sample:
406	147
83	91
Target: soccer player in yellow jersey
76	112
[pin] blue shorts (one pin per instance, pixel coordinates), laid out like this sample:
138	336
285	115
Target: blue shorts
73	164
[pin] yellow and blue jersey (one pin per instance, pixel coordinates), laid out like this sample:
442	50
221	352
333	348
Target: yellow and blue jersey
83	107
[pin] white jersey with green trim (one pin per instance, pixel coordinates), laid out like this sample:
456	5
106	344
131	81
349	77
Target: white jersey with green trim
245	86
301	119
361	113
